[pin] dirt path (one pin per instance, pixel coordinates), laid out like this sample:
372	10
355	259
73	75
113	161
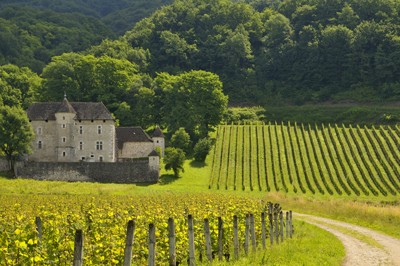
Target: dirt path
357	251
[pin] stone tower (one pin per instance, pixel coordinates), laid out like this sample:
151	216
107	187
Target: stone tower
159	140
154	162
64	131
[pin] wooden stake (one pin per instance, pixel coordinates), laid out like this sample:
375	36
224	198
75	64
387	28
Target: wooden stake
171	241
207	236
129	243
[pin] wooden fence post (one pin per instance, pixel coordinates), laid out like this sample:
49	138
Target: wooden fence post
192	259
78	248
152	245
171	242
276	227
287	225
281	225
220	238
235	238
271	228
129	243
263	230
38	223
291	224
253	233
246	234
207	236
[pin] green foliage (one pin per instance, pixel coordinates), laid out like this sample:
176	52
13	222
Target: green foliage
194	101
243	115
202	149
18	86
181	140
174	158
16	133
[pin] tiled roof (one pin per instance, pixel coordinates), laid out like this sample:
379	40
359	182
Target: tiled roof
158	133
131	134
154	153
83	110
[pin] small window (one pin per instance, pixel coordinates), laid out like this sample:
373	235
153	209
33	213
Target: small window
99	129
64	154
100	158
40	144
92	156
82	158
99	145
81	145
63	117
81	130
64	139
39	131
64	126
158	141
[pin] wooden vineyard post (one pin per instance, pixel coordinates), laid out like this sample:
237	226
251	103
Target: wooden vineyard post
207	236
152	245
291	224
129	243
253	233
78	248
276	227
271	228
287	224
235	238
246	234
281	225
263	230
171	241
192	259
220	238
38	223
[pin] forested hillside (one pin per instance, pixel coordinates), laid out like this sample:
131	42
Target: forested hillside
32	31
297	50
264	51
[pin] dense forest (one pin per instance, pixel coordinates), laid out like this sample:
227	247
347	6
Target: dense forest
32	31
263	51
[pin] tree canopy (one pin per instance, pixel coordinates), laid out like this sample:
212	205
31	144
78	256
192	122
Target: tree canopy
16	133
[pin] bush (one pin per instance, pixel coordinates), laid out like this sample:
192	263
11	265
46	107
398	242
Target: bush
201	149
174	158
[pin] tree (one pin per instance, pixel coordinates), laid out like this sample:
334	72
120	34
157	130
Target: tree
201	149
174	158
196	102
181	139
23	82
16	133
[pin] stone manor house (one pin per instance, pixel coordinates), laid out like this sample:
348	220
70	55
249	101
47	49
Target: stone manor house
85	132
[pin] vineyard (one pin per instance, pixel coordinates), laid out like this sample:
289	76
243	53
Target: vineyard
103	221
299	159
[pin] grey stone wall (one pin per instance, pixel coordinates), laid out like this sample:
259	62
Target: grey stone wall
4	165
136	171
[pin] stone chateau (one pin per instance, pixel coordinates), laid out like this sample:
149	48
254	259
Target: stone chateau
85	133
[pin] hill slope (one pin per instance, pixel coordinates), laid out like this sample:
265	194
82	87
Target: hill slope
301	159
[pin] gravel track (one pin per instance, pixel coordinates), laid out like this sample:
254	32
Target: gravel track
357	251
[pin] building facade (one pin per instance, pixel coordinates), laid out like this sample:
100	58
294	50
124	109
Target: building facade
72	132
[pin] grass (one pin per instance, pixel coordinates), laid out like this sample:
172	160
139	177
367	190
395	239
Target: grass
309	239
